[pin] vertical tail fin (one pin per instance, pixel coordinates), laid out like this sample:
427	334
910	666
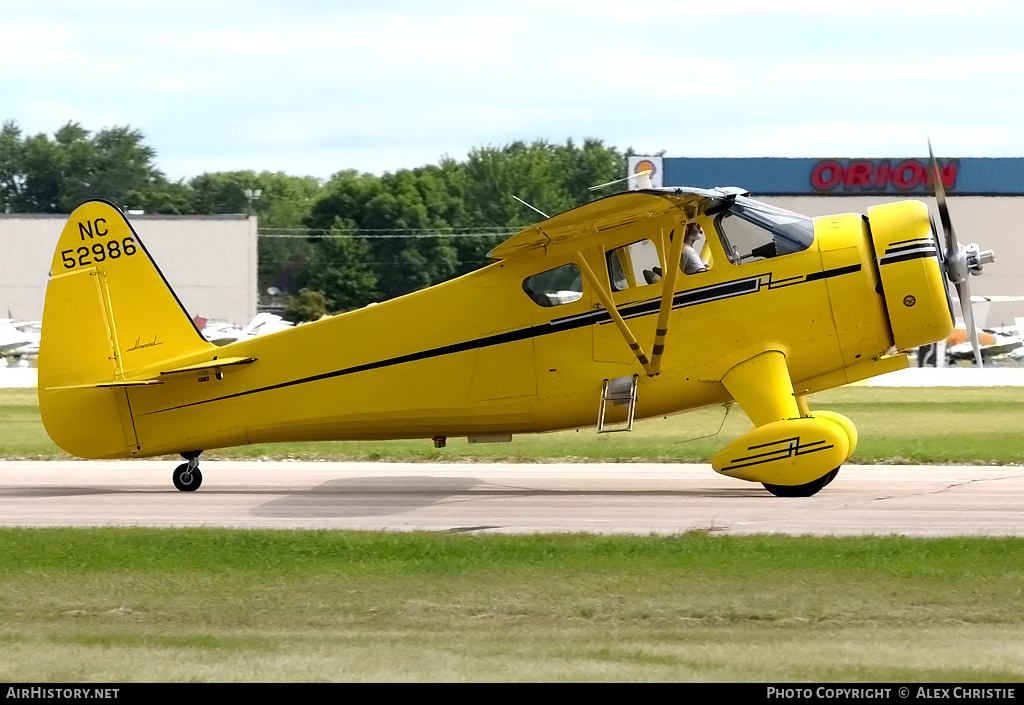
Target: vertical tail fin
109	317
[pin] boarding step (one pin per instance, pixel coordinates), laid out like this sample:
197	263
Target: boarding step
620	391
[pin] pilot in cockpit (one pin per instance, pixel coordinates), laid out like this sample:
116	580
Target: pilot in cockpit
692	262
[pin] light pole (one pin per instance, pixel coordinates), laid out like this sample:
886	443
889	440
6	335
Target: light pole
251	195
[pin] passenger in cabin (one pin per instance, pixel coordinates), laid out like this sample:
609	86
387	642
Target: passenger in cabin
692	262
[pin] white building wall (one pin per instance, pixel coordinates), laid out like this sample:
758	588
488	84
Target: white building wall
209	261
27	244
994	222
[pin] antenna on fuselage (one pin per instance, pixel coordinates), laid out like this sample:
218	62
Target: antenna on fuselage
530	207
643	180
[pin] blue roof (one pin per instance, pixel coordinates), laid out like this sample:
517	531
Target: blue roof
847	177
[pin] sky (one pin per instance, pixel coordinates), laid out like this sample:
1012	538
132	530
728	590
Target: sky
310	88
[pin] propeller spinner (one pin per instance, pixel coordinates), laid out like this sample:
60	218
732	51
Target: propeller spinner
958	260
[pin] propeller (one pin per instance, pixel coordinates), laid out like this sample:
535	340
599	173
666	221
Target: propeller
958	261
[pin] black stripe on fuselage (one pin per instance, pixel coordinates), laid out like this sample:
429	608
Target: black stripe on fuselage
499	339
915	239
683	299
914	254
829	273
693	297
914	245
906	250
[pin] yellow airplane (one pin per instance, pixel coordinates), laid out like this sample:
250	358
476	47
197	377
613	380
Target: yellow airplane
586	318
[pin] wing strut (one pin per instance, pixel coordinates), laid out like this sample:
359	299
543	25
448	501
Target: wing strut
609	305
668	290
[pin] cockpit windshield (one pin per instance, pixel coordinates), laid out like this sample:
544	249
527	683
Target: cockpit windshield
751	230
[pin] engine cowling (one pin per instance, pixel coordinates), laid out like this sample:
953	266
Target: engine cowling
913	284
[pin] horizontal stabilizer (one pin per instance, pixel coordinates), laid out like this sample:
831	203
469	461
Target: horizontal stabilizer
198	367
212	364
99	385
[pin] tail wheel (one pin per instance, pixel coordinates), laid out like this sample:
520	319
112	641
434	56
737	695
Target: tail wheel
805	490
187	480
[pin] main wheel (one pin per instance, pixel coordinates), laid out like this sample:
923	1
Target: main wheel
806	490
187	481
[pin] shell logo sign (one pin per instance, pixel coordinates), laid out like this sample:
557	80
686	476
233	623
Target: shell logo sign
644	165
636	165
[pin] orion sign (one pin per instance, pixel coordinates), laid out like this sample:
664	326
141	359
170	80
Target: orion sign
874	175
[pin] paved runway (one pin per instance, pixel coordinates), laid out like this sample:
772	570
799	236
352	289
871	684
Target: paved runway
604	498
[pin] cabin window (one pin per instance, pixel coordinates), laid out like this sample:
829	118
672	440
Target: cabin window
752	231
561	285
634	265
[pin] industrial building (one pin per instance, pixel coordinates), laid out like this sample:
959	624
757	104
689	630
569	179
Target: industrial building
209	261
985	197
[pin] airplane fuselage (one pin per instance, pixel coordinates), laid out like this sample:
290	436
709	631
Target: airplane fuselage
526	344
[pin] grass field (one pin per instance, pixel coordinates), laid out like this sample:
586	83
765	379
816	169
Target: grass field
979	425
137	605
215	605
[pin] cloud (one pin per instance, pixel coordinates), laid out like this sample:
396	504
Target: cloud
315	87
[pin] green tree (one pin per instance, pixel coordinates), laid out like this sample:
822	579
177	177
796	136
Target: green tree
39	175
43	175
551	178
339	268
307	305
278	200
425	225
11	176
411	240
581	168
281	203
410	245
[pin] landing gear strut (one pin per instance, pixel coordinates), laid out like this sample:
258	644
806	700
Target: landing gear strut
187	477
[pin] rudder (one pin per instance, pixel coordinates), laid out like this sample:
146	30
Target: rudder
109	318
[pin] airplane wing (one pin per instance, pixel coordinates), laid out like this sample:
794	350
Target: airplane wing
591	219
991	299
964	351
14	346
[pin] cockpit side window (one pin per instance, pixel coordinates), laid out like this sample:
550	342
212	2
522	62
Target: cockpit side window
561	285
752	231
634	265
